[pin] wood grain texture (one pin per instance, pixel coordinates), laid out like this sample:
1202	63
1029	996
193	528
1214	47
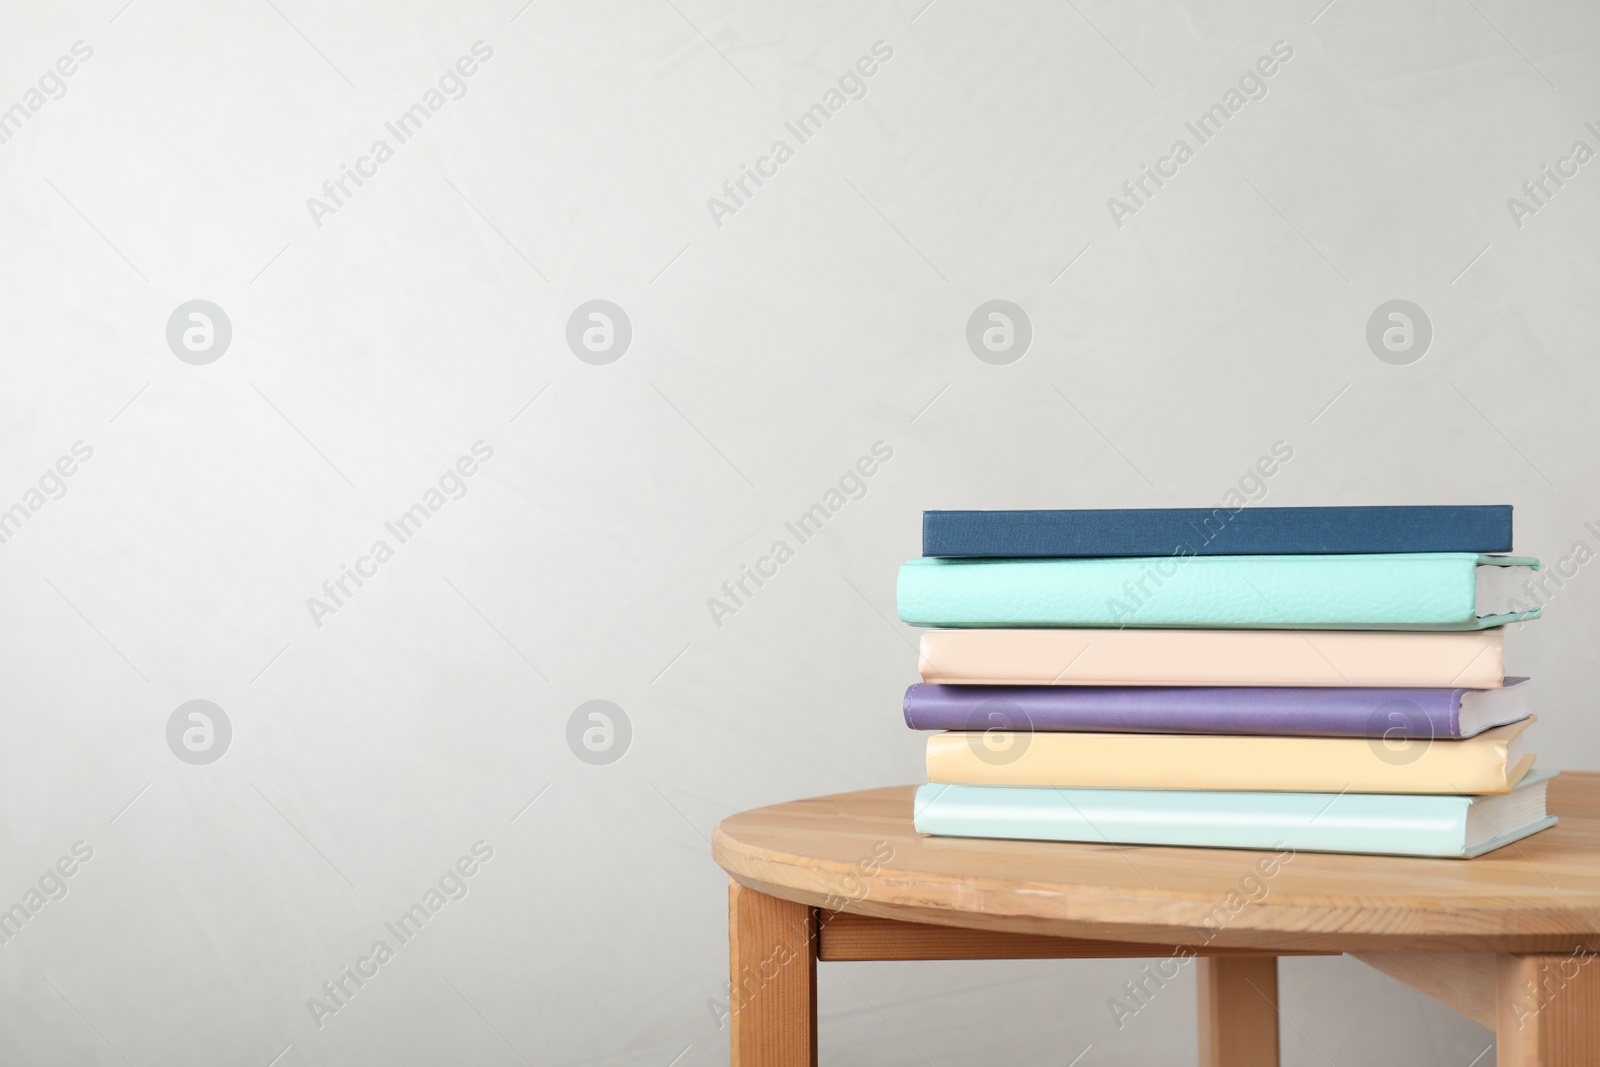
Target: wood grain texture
858	852
1549	1011
773	972
843	936
1464	982
1238	1000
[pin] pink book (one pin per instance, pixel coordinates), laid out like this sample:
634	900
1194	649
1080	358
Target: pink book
1470	659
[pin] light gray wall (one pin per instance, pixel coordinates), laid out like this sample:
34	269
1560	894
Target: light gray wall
771	347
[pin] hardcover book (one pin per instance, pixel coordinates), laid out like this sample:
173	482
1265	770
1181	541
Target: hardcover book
1420	591
1454	827
1393	714
1247	531
1492	762
1472	659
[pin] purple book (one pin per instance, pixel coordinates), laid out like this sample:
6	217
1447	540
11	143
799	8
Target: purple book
1331	712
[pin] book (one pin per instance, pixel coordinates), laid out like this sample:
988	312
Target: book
1492	762
1454	827
1473	659
1419	591
1390	713
1243	531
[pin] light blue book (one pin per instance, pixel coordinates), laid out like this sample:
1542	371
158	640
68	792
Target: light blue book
1452	827
1411	591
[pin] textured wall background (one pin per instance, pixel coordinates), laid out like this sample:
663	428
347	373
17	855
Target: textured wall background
380	336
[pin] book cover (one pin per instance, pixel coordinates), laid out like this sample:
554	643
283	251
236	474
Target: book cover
1492	762
1391	713
1453	827
1420	591
1473	659
1246	531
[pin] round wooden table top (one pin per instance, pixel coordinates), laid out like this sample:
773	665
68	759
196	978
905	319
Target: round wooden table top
858	852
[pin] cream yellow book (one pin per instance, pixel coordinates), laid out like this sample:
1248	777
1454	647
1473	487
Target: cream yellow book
1492	762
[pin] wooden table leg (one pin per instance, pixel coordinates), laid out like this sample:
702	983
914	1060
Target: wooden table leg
1238	1011
1548	1011
772	959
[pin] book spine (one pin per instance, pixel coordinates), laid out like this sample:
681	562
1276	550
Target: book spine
1403	826
1295	712
1230	658
1216	531
1372	592
1208	762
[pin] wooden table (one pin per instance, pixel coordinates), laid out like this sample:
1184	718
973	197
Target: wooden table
1504	939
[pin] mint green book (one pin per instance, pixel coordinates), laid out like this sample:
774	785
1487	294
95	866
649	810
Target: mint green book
1449	827
1411	591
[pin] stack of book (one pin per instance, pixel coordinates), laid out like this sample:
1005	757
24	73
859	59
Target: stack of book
1317	679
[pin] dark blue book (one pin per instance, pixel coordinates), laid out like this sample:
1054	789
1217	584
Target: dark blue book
1248	531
